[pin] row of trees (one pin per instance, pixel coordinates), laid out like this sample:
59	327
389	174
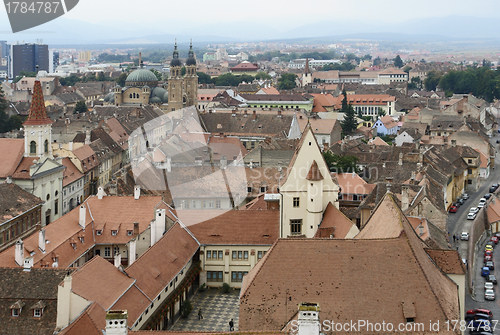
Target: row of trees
7	123
482	82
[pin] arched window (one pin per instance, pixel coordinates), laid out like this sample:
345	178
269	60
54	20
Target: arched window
32	147
130	95
46	146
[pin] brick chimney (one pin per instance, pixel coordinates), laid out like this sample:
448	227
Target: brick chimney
82	218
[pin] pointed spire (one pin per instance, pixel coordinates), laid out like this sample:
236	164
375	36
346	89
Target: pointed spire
306	68
38	113
140	60
191	59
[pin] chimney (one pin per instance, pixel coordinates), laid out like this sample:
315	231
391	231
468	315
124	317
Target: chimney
453	143
8	180
118	259
100	193
64	302
223	162
245	113
132	249
279	112
405	202
308	319
400	162
28	264
87	137
137	192
255	115
420	229
19	253
41	240
168	165
83	214
136	228
160	224
413	177
70	146
116	322
152	231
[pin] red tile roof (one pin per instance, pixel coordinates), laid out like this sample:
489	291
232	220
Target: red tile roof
71	173
334	223
11	151
38	114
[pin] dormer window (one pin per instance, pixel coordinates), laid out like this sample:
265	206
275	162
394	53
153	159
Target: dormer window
129	232
98	232
82	240
15	312
16	308
114	232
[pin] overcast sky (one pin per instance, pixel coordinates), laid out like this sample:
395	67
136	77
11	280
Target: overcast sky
181	16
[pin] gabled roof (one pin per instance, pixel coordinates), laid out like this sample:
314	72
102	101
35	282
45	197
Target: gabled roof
239	227
15	201
71	173
11	151
314	172
449	261
334	224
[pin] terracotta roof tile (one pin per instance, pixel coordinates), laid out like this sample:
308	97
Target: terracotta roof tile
11	151
447	260
314	172
334	223
15	201
38	113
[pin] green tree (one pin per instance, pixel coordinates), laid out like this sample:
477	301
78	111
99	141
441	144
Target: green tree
341	164
377	61
367	57
349	123
121	79
22	74
262	75
398	62
350	56
287	81
69	81
415	83
183	71
100	77
381	112
81	107
432	80
157	73
204	78
3	114
407	69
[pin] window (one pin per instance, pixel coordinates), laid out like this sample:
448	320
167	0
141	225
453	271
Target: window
237	276
37	312
218	204
296	227
220	254
245	254
56	206
263	189
46	146
194	204
240	254
107	251
249	189
209	254
469	161
32	147
214	276
116	250
129	232
98	232
82	239
114	232
296	202
15	312
469	181
234	255
469	171
259	254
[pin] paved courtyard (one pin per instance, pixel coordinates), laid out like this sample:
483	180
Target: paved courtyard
217	309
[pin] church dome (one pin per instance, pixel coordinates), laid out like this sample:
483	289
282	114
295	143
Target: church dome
155	100
191	60
165	97
175	61
110	97
141	77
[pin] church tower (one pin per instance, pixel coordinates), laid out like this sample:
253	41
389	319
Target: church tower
175	83
38	127
191	80
307	75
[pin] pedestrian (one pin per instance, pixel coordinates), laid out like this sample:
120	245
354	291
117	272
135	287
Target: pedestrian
200	316
231	325
454	238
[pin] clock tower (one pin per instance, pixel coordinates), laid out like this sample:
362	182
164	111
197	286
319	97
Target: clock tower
38	127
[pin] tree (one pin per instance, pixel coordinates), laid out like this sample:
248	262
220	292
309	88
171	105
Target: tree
415	84
377	61
367	57
350	56
81	107
398	62
432	80
287	81
69	81
262	75
349	124
204	78
407	69
25	74
381	112
100	77
121	79
183	71
341	164
157	73
3	115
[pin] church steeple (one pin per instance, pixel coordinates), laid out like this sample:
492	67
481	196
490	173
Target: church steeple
38	113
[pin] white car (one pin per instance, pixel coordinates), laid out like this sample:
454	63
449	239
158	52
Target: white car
465	196
482	200
471	216
488	285
489	295
473	210
481	204
464	236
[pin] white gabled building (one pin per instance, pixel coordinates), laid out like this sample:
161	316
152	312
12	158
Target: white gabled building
306	190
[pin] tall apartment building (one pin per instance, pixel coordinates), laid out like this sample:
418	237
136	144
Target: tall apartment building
25	57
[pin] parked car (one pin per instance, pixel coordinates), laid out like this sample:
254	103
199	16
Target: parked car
487	258
488	253
492	279
465	196
480	310
473	210
488	247
493	187
489	285
494	239
491	265
464	236
460	201
498	235
457	204
453	209
481	205
482	200
487	196
489	295
471	216
485	271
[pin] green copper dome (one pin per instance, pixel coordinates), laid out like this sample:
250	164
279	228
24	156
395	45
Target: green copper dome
141	77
